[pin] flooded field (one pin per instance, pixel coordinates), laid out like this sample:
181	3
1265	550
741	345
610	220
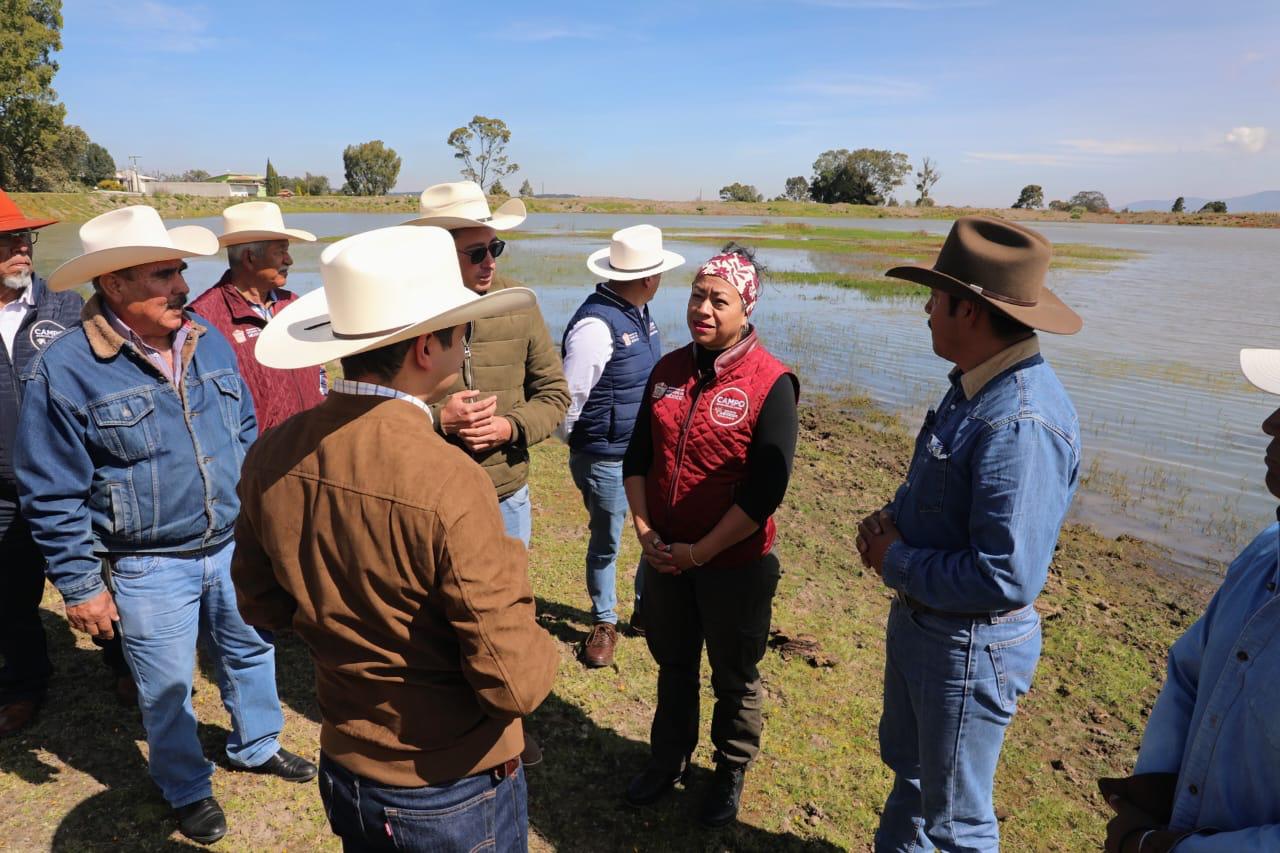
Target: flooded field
1173	451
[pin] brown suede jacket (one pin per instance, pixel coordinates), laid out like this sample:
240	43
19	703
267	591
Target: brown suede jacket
416	608
513	357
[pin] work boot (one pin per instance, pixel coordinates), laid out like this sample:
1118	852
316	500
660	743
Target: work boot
654	782
723	797
202	821
597	651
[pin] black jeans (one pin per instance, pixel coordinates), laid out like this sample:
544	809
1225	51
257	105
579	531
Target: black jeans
730	610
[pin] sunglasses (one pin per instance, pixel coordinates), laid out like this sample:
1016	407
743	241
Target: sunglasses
476	255
21	238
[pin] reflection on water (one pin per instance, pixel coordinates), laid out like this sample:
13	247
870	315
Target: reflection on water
1173	450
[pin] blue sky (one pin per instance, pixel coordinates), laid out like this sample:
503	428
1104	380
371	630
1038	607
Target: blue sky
669	99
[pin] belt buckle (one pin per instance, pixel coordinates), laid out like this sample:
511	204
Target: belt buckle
505	769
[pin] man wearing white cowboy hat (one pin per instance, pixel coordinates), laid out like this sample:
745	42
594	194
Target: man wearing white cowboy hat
511	393
1207	776
609	347
416	608
136	423
249	294
967	540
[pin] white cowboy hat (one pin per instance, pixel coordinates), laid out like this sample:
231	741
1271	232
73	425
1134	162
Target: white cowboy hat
380	287
633	253
125	238
1262	368
462	204
258	220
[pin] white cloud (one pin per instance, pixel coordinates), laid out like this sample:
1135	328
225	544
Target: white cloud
1024	158
156	26
1118	147
854	86
1251	139
550	31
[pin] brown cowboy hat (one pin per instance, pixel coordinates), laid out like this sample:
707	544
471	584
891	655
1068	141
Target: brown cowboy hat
1002	263
12	219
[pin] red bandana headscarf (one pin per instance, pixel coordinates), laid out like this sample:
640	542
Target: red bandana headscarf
739	272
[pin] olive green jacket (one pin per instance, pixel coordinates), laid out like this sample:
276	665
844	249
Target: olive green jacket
513	357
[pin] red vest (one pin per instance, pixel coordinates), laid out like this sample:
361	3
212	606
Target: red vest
702	429
277	394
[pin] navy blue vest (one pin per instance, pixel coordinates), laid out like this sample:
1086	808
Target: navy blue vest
605	425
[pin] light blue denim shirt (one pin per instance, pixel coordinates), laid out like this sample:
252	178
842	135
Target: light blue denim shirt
1217	721
992	476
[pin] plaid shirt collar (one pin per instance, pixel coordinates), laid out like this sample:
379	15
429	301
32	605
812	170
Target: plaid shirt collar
370	389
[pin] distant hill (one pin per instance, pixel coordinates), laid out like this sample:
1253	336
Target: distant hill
1257	203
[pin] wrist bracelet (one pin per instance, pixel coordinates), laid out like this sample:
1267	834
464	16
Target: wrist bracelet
1142	839
1124	839
693	559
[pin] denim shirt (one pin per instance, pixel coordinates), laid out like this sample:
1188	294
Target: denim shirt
1217	720
114	459
989	485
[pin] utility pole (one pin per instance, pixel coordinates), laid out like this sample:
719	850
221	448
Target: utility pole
135	179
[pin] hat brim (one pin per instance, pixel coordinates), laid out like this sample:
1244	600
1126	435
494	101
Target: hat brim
188	241
22	223
1262	368
302	334
510	214
598	263
1050	314
293	235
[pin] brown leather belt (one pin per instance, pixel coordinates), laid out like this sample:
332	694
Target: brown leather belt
505	769
984	616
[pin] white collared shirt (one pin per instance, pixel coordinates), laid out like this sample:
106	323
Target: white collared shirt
371	389
11	317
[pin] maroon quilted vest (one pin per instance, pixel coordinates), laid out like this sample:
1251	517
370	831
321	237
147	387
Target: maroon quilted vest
702	428
277	394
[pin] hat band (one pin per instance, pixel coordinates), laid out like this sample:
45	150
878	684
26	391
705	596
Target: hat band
637	269
342	336
1000	297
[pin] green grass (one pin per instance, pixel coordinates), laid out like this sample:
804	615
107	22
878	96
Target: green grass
870	286
77	778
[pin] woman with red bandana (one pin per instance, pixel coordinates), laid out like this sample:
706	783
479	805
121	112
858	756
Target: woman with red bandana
707	466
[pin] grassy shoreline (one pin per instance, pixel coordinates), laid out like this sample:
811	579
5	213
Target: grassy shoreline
77	207
77	780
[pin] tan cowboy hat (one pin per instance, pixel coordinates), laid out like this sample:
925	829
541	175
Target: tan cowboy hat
633	253
125	238
462	204
258	220
1002	263
380	287
1262	368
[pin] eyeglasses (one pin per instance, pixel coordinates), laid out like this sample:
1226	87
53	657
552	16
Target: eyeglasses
476	255
19	239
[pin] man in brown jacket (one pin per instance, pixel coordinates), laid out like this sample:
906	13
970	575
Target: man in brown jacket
382	546
511	393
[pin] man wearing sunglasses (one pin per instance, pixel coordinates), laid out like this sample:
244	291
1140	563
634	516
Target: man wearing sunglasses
511	392
30	317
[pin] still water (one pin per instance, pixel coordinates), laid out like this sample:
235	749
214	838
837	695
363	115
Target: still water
1173	451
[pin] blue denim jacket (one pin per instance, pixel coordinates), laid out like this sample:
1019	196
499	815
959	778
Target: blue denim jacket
1217	721
989	485
113	459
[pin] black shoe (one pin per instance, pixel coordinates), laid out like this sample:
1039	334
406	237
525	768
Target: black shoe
724	796
202	821
289	767
654	783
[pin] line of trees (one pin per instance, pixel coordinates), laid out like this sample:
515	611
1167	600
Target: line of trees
862	176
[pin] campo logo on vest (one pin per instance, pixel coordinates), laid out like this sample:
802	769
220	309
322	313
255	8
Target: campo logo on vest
45	331
729	407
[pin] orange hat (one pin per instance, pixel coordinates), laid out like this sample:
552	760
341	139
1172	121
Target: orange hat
11	219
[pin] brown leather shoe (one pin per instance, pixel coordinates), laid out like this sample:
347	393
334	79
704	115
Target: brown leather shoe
597	651
16	716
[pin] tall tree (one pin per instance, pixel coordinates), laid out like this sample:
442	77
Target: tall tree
273	179
371	168
30	114
526	189
1091	200
98	164
481	145
864	176
925	179
60	165
1179	205
1032	196
740	192
797	189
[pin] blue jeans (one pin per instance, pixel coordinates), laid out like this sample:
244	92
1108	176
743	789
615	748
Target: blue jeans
951	687
166	603
517	518
599	478
472	813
